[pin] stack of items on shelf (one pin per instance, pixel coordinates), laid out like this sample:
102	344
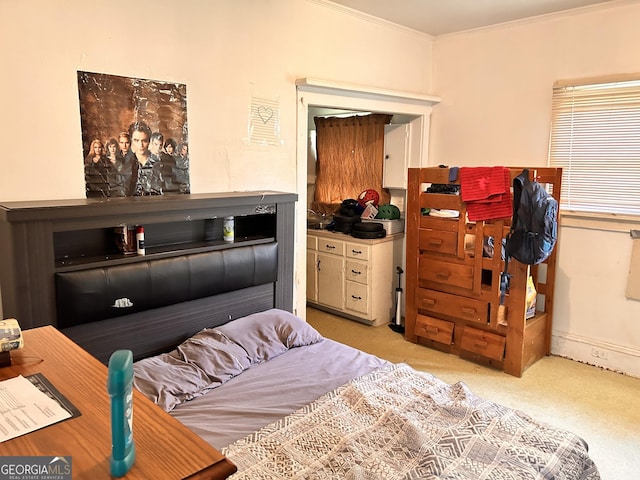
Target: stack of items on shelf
365	218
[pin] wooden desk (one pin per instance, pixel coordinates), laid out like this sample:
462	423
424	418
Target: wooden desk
165	449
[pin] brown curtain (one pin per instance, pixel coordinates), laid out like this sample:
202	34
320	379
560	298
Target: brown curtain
350	155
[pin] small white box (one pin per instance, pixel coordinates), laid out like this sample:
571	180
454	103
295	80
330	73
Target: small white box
391	226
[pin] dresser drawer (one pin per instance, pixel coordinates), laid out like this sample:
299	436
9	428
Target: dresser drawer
312	242
434	329
357	250
454	274
452	305
483	343
438	241
357	298
328	245
357	271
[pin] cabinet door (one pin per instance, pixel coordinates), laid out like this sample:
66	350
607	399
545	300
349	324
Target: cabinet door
331	280
396	156
312	276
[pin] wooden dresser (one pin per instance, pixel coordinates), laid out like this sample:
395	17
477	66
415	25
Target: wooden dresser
453	285
164	447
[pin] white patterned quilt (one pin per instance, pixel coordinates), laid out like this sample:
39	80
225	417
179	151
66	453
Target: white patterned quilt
398	423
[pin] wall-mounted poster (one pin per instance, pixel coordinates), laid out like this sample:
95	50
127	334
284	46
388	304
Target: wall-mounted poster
134	136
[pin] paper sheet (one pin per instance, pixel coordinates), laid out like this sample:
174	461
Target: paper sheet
24	408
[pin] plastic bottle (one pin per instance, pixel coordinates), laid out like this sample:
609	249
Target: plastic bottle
228	229
120	387
140	240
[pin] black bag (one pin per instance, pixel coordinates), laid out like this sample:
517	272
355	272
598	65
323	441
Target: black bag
534	227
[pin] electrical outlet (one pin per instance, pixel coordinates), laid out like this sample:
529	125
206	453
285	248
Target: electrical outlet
599	353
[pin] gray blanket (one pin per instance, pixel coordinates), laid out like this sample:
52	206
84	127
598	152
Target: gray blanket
398	423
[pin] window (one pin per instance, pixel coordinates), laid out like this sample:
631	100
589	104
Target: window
595	138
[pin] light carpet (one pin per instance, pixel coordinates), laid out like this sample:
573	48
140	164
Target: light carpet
601	406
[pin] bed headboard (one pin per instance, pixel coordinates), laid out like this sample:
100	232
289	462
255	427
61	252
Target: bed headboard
148	306
63	267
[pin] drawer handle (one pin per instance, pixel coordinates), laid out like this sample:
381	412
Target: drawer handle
428	301
355	272
431	329
330	247
436	242
468	310
481	344
444	275
356	298
356	252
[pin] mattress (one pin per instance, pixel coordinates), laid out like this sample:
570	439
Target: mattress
276	388
282	402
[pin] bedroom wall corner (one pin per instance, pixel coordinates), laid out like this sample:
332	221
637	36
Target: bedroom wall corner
480	76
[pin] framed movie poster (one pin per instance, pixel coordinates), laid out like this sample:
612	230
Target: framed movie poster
134	136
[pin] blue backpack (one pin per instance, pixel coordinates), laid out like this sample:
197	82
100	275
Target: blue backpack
534	227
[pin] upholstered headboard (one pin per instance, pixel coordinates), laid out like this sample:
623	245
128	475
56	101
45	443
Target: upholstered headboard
149	307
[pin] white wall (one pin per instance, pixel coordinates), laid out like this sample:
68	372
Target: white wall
495	86
223	50
227	50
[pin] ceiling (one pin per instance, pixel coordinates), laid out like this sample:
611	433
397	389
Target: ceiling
439	17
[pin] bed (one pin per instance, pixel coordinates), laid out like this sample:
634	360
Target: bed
282	402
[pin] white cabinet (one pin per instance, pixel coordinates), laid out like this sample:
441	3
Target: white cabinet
396	155
353	277
330	271
312	272
331	280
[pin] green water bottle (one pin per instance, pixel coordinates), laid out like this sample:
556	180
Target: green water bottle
120	387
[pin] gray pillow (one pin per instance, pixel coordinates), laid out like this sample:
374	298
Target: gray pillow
267	334
213	356
204	361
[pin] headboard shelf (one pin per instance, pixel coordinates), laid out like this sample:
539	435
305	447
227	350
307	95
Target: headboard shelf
153	253
88	245
41	239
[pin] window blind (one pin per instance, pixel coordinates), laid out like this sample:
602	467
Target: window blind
595	138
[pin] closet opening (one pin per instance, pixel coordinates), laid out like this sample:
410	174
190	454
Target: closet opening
410	114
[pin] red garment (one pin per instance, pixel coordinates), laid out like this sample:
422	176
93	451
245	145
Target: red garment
487	192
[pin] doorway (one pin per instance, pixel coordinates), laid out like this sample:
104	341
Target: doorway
318	97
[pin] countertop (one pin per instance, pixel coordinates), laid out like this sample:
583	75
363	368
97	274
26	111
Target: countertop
348	238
